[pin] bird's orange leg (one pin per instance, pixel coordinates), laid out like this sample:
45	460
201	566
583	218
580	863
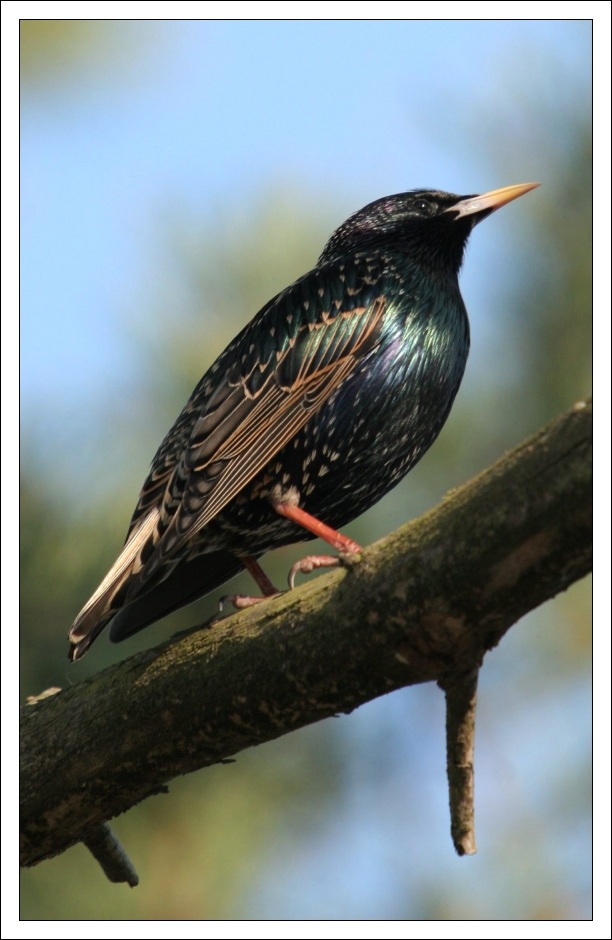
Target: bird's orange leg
240	601
259	576
342	543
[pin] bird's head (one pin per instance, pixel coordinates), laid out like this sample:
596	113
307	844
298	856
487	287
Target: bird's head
426	224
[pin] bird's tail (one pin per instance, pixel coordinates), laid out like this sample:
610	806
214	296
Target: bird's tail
108	598
81	640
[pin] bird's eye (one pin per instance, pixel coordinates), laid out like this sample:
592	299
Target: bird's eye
421	205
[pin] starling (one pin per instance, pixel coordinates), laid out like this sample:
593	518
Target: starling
319	406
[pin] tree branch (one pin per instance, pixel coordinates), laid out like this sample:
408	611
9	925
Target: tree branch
460	692
425	603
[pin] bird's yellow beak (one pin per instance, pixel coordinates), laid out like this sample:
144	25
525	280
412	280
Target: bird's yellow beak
489	202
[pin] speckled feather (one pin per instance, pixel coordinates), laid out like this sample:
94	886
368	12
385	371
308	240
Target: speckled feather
335	389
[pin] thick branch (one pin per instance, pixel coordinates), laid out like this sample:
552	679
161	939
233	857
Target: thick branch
423	604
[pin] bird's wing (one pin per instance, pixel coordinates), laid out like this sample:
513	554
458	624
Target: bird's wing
172	447
259	406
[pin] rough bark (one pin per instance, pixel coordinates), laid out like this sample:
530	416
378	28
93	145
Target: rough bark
425	603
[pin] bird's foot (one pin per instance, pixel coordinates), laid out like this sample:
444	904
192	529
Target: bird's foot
348	550
242	601
312	562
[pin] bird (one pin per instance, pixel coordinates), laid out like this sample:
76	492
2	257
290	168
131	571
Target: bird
320	405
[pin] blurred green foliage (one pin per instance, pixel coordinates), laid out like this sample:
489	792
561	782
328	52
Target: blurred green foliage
61	48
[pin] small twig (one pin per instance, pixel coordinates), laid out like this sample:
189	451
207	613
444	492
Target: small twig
110	855
460	722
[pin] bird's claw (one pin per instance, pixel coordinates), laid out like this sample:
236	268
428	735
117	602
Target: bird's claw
241	601
309	564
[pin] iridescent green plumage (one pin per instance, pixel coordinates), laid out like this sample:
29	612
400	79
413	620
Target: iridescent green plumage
324	401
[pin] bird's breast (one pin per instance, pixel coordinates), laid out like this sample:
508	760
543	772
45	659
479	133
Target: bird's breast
372	430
